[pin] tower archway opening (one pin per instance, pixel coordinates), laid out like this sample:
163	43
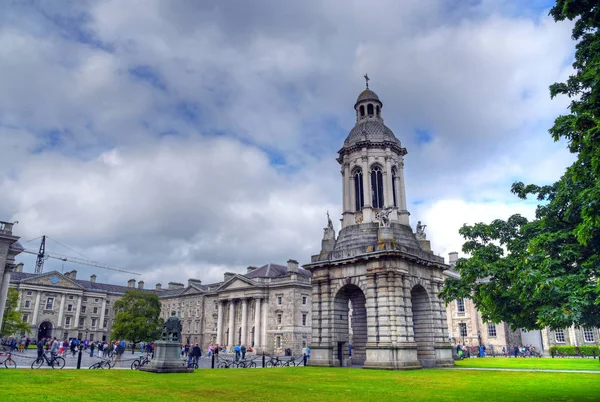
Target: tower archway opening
423	326
370	109
350	326
362	111
359	195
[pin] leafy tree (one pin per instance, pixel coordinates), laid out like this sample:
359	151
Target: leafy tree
545	272
137	318
12	323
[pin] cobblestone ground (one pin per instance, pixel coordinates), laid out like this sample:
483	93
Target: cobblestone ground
24	360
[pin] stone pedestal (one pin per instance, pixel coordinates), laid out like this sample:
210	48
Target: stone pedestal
166	359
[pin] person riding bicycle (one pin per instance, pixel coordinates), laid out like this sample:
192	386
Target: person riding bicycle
40	347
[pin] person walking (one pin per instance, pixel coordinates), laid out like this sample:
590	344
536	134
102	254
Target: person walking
237	352
40	347
243	350
92	347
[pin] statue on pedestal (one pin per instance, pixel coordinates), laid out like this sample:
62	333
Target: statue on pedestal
329	230
420	235
384	217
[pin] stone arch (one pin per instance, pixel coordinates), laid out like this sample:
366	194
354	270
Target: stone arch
349	280
423	326
45	330
350	325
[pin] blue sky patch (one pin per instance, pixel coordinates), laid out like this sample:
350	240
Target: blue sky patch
148	75
423	136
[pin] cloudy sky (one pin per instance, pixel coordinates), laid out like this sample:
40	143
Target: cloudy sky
187	138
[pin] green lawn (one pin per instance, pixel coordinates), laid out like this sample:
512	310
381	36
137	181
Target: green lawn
532	363
296	384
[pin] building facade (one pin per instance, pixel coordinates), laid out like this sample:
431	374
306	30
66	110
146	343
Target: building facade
9	249
268	308
375	286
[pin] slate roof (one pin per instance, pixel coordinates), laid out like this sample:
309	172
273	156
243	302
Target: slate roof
367	94
274	271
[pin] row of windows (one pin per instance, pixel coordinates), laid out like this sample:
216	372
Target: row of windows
491	329
588	335
377	199
370	111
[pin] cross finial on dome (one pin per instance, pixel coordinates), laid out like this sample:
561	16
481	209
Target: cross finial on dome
367	79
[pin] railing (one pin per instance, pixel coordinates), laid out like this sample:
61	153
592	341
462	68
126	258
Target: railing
378	247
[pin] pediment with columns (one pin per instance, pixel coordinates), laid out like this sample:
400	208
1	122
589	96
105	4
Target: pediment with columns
237	282
52	279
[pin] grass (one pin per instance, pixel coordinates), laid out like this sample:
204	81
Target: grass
532	363
296	384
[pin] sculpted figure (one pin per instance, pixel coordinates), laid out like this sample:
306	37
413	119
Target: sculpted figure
384	217
420	235
171	330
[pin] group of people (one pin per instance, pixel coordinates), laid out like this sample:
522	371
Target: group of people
21	344
481	351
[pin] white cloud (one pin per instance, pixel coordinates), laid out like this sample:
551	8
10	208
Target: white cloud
220	153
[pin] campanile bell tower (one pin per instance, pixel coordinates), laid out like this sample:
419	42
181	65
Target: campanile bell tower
375	285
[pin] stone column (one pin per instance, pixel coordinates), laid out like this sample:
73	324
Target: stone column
257	312
366	186
36	307
230	341
77	312
244	321
388	197
264	325
61	311
102	314
4	292
402	195
220	323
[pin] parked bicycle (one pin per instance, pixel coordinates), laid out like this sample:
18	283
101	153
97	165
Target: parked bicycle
8	362
225	363
102	364
56	362
294	361
248	363
140	362
274	361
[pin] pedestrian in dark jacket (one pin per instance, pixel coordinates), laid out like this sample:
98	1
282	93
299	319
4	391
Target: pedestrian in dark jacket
40	347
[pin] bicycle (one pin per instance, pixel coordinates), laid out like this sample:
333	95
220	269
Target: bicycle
274	361
294	361
224	363
8	362
104	363
54	362
248	363
140	362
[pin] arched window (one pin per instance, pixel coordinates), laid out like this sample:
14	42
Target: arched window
378	111
370	109
377	187
394	185
359	198
362	111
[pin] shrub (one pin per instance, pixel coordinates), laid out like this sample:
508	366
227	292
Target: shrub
575	350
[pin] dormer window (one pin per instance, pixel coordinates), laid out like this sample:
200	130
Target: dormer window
370	109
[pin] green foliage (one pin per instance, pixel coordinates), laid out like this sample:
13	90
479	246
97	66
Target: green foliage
137	318
547	272
582	351
12	323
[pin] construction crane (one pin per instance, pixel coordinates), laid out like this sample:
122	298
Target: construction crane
42	256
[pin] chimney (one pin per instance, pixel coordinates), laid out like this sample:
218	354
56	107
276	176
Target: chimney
158	286
452	258
251	269
73	274
176	285
227	276
93	278
196	282
141	285
19	267
67	274
292	266
131	283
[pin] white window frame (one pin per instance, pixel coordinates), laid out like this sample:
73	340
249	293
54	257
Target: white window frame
279	318
27	303
304	300
559	336
25	317
491	327
461	326
304	319
49	303
460	306
278	341
279	300
588	335
67	320
29	293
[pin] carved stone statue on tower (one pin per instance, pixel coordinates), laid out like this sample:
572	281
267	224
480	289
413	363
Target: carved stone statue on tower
420	235
383	217
329	230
